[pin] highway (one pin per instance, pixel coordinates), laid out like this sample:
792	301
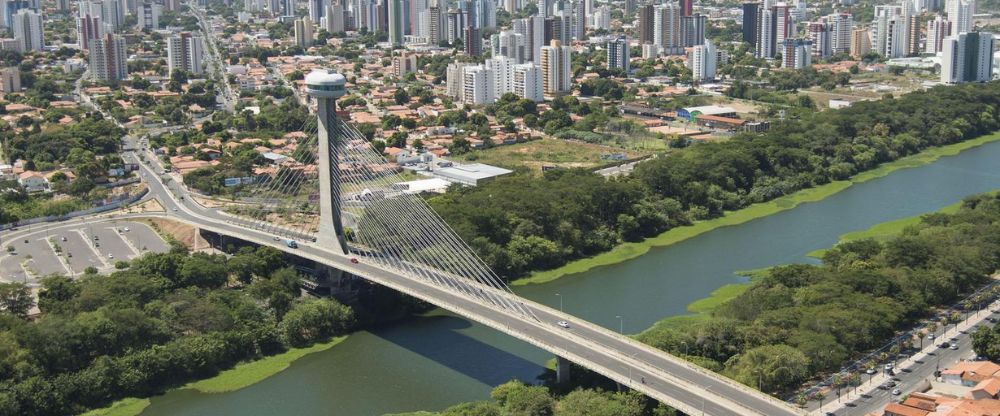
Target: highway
657	374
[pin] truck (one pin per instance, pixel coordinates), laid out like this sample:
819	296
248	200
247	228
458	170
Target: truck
291	244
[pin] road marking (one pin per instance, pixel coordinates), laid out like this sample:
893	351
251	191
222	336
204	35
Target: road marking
90	244
128	243
62	261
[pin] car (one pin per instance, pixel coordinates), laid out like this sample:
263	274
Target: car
96	238
276	238
175	209
953	346
930	336
111	256
896	392
63	239
563	324
26	241
69	254
127	230
354	260
944	345
97	244
888	366
870	371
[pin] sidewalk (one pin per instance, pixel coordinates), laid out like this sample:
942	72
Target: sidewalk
877	380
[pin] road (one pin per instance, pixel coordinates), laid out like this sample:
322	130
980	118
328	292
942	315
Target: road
213	61
914	370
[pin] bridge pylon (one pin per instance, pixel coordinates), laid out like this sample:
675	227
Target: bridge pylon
326	87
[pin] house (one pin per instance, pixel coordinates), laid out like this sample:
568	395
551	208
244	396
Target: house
969	373
33	181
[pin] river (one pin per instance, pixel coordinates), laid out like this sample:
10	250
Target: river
433	361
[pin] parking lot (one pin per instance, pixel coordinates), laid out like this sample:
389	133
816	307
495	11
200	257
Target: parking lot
71	249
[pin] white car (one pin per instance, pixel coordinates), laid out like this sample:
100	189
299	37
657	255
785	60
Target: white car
896	392
111	256
563	324
953	346
126	229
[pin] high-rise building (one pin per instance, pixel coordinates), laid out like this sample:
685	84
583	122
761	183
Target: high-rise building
403	63
693	29
435	28
185	52
11	7
960	15
303	32
765	35
618	54
27	29
646	24
821	36
555	63
485	14
967	57
557	27
668	29
578	19
317	8
10	80
796	53
544	8
149	16
841	25
937	30
913	37
108	59
88	27
454	79
702	61
751	17
687	7
890	30
601	18
287	7
334	19
783	23
114	14
509	44
395	22
532	29
473	41
527	82
861	43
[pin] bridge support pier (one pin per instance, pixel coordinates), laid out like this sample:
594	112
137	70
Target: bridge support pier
562	370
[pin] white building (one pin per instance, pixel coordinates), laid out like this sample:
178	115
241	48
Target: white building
841	25
185	52
967	57
702	62
484	84
937	30
303	32
149	16
28	30
510	44
960	15
527	82
88	27
667	32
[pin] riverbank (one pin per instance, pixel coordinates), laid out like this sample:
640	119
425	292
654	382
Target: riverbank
241	376
701	308
628	251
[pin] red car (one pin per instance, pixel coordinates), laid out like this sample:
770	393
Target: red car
354	260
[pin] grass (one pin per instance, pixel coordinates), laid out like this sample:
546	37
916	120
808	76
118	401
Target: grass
718	297
547	151
628	251
124	407
249	373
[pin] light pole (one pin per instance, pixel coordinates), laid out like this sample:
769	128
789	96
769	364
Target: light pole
685	347
621	324
560	302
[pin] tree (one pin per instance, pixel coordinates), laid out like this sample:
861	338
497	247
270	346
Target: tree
401	96
776	366
315	320
517	398
16	299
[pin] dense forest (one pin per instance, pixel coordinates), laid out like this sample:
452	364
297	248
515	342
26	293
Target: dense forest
160	321
798	320
523	223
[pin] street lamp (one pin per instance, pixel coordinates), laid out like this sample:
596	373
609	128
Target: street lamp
685	347
621	324
560	302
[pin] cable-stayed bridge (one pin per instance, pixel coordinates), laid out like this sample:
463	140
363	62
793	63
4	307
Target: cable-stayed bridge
332	201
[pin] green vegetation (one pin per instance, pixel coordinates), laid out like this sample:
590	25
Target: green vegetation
165	320
123	407
718	297
522	224
253	372
516	398
798	320
628	251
